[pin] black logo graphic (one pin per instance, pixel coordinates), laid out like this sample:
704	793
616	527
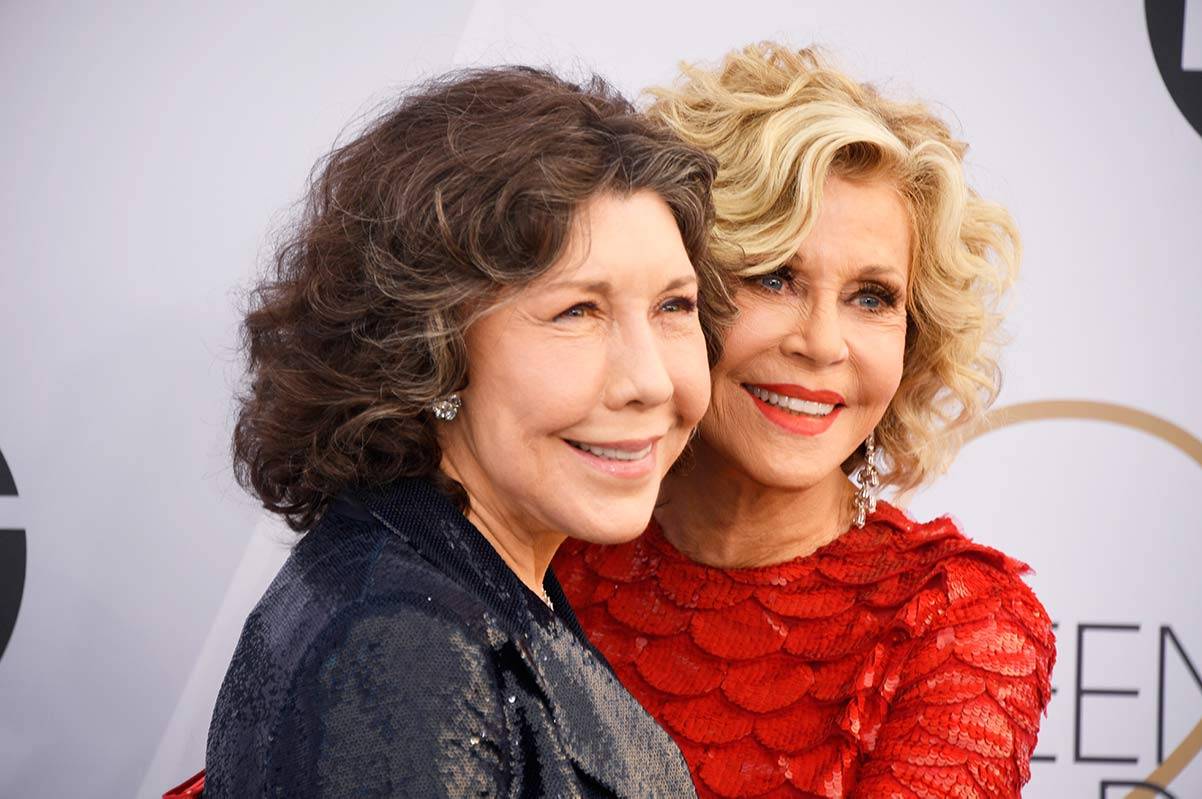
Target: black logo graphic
12	563
1166	30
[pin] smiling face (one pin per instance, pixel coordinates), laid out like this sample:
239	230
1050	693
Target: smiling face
815	357
584	386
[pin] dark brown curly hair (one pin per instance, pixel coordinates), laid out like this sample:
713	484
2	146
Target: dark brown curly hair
465	190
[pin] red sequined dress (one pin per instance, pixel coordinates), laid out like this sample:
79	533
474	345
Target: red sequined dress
900	660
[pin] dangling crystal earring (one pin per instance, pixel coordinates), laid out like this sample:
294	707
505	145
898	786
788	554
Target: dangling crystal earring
869	479
447	408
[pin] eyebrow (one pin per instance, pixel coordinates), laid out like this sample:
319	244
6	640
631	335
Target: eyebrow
867	270
877	270
604	286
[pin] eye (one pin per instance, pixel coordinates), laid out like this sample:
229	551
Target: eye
874	297
679	305
777	281
580	310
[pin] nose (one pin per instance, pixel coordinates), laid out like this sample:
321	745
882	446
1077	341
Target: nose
638	373
818	336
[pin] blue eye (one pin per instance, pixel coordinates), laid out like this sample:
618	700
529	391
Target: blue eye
777	281
874	298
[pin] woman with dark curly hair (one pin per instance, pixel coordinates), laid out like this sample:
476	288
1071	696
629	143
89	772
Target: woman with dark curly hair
488	333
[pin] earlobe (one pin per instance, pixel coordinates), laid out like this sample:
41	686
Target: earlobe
447	408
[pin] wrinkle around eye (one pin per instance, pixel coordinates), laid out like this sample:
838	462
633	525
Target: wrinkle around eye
581	310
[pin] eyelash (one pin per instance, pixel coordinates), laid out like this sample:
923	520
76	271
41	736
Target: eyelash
886	296
783	274
687	305
588	307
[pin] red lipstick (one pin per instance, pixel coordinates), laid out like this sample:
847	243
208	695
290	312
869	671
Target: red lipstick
802	393
798	423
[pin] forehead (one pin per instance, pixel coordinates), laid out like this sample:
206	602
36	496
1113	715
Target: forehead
614	238
860	226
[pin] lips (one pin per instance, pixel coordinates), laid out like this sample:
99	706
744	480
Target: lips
796	409
802	393
629	459
616	450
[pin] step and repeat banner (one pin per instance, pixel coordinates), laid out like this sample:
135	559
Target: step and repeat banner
150	149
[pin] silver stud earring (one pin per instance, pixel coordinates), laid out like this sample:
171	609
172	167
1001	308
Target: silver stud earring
447	408
869	479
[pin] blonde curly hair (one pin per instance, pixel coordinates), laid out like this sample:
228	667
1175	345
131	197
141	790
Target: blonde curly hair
780	121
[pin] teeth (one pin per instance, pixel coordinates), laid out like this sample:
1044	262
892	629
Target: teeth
613	454
791	403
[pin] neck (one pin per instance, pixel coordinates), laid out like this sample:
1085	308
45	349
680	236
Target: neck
526	549
716	514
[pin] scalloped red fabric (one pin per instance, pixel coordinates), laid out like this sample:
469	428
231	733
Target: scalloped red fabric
901	660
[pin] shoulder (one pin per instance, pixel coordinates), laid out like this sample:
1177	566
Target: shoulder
402	690
974	651
939	552
347	573
357	640
969	596
352	583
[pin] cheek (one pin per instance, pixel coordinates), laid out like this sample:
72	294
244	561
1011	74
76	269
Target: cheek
753	346
553	388
727	423
526	386
690	374
755	335
760	327
881	360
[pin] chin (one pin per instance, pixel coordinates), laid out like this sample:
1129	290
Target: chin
615	523
782	474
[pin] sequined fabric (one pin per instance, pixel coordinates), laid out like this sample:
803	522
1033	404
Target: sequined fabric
901	660
397	656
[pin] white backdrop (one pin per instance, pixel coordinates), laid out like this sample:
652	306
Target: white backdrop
147	151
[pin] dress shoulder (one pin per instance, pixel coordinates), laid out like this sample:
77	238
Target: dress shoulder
960	577
968	678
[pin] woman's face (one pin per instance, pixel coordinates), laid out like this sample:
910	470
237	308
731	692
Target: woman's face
585	386
815	356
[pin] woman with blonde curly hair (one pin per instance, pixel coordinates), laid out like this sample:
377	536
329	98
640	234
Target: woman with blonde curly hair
795	637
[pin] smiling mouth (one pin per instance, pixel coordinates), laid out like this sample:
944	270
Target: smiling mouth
794	405
614	452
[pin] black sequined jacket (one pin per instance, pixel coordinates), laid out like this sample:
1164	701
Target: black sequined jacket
397	655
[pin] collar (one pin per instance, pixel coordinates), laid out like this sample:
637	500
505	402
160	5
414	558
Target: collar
429	521
585	699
